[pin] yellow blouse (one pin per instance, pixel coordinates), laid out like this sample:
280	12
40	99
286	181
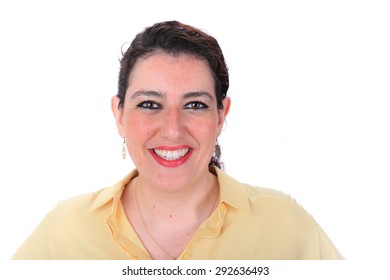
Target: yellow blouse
250	223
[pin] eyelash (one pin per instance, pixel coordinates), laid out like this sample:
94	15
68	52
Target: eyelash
149	105
196	105
193	105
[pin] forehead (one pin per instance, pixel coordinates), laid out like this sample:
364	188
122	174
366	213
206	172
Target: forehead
170	69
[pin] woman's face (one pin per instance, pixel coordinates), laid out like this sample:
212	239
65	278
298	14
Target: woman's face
170	118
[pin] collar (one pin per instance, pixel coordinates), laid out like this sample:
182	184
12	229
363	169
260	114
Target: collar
112	193
232	192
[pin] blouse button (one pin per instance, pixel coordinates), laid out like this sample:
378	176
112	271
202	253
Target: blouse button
185	256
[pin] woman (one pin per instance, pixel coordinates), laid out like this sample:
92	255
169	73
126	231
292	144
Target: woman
177	204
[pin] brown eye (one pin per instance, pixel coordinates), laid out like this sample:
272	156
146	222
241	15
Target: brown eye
196	105
149	105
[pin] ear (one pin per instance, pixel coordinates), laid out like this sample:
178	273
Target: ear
118	115
222	113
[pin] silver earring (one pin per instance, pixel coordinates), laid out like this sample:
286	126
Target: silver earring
124	148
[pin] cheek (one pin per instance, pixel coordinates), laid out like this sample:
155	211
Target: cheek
138	131
206	130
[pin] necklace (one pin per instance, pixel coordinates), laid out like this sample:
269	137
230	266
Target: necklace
151	235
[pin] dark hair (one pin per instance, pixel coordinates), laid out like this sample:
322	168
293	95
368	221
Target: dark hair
176	38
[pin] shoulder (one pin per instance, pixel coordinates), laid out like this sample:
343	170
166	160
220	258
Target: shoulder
73	214
77	204
275	218
74	227
60	229
70	217
88	203
279	210
255	197
271	198
265	206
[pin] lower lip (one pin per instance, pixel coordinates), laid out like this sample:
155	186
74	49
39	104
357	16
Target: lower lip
171	163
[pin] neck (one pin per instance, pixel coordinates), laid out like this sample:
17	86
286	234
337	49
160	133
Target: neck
187	201
166	219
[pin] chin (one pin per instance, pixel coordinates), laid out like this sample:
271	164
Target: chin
175	178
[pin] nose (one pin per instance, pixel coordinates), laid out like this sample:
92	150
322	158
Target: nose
172	124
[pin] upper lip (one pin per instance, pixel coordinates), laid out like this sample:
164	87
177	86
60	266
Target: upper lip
171	153
171	148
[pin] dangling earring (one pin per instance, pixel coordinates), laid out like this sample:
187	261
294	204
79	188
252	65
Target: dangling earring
124	148
217	151
215	159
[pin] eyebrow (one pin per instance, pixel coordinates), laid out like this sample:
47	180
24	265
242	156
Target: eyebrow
188	95
199	94
148	93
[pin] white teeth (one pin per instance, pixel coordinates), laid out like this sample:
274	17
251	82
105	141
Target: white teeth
171	155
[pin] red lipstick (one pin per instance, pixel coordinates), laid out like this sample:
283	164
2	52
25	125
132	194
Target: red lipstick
171	162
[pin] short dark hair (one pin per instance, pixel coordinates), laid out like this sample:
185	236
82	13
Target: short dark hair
176	38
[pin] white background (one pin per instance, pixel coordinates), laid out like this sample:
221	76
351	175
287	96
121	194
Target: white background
310	85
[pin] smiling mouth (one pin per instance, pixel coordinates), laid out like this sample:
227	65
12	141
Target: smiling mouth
171	155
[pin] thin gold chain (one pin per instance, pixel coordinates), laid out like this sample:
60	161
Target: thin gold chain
147	229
